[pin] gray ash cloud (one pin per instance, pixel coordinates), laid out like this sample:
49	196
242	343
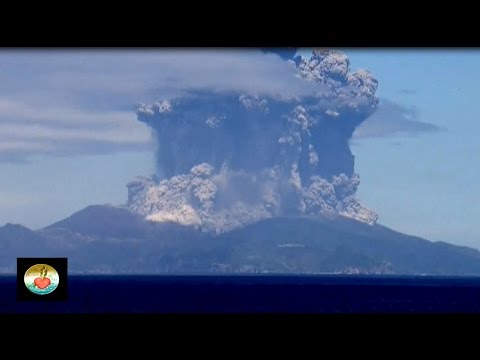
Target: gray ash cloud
226	159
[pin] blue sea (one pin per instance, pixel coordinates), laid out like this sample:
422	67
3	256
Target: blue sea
254	294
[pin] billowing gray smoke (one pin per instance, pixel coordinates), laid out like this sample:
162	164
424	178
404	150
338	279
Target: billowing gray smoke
229	159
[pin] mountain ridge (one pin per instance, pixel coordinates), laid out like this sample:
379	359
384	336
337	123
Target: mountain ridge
113	239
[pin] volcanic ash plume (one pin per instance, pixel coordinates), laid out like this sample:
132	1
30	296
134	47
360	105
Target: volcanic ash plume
228	159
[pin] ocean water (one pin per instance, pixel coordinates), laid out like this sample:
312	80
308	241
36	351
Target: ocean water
254	294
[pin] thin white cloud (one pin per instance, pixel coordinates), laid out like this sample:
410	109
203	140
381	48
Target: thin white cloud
39	133
393	119
14	111
60	102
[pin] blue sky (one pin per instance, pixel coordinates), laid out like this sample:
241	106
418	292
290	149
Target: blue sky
425	184
69	138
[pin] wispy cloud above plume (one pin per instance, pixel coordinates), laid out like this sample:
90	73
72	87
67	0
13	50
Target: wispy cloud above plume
75	102
394	119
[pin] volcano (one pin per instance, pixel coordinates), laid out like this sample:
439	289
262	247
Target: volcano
109	239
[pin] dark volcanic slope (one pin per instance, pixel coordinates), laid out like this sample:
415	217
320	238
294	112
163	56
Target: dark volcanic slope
104	221
106	239
18	241
322	245
102	238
